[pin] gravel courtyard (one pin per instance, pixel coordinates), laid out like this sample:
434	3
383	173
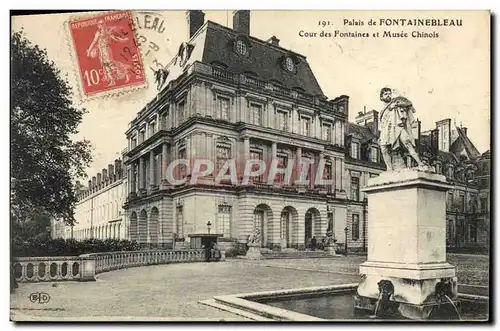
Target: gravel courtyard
172	292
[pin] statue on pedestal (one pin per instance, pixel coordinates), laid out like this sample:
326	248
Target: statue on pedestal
396	123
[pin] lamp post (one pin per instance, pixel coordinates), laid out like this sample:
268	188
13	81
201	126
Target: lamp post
345	244
209	225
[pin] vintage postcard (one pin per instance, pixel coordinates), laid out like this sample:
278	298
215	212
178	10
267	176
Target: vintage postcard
250	166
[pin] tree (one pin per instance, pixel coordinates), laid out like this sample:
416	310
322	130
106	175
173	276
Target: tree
44	158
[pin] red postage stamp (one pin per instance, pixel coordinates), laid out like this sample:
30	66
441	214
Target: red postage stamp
106	52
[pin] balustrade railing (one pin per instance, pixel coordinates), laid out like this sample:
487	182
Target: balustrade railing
118	260
46	269
85	267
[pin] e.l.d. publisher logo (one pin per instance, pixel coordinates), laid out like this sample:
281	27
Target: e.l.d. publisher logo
39	297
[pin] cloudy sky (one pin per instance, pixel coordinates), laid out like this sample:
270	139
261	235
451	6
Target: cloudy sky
445	77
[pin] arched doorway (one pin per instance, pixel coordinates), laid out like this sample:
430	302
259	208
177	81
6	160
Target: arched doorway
153	227
262	219
312	226
133	226
142	228
288	224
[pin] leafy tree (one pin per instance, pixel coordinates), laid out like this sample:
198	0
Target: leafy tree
44	158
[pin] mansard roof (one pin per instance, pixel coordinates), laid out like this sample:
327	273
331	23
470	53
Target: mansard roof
265	60
464	141
215	44
360	130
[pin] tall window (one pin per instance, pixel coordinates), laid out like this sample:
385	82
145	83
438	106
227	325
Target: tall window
282	163
355	188
461	203
223	154
182	167
374	155
305	123
472	233
289	64
328	175
255	114
255	155
327	132
181	111
224	220
134	142
354	150
223	108
282	118
449	203
482	202
355	226
164	118
179	222
142	135
258	219
152	128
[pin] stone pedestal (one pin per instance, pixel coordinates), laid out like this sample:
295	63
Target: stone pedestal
253	252
407	242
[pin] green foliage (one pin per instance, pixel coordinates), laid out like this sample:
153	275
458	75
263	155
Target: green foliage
44	158
42	246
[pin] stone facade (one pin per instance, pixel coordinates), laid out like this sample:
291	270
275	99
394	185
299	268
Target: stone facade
99	211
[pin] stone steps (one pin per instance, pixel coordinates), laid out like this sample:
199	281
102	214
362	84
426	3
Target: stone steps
295	254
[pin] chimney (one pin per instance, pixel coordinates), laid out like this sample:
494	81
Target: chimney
273	40
241	21
99	178
444	134
465	131
368	119
111	171
90	184
94	182
104	175
118	168
195	20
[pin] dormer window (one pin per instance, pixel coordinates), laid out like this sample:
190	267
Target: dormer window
241	47
290	66
355	150
374	155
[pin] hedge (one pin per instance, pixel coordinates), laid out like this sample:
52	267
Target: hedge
68	247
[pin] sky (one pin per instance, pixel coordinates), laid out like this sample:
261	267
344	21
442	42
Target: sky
445	77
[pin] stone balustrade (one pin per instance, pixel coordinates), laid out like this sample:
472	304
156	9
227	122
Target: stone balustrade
57	268
85	267
119	260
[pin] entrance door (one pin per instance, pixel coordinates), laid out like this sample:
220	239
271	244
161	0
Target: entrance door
308	229
285	233
258	221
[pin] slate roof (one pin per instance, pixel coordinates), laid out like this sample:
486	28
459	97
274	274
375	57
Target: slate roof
263	59
464	141
363	131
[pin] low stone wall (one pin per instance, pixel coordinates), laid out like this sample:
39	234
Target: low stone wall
85	267
56	268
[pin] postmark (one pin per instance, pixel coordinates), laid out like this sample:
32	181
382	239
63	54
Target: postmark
106	53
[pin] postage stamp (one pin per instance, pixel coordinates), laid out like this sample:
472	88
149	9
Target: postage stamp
107	53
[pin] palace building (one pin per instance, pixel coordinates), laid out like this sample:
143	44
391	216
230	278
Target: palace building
99	210
229	95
